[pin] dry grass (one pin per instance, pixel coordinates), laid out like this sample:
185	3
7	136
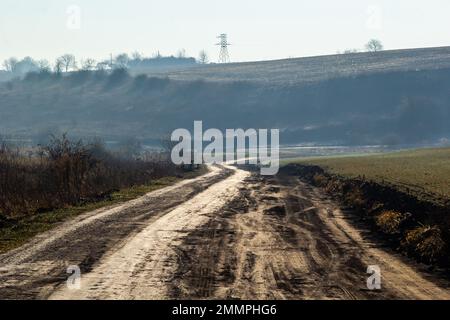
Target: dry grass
67	173
55	182
424	174
427	241
320	179
389	221
16	232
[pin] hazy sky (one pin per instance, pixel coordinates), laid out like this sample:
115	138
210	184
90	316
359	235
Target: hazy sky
257	29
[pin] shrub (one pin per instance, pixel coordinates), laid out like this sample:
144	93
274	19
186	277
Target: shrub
426	242
67	172
117	77
390	221
320	180
355	198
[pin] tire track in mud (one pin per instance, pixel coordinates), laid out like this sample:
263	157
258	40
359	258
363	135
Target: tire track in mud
144	266
37	268
282	239
227	235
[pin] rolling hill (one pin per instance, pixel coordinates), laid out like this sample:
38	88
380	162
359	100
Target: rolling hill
320	68
387	97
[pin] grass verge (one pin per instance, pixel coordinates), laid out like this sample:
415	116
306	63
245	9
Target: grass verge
379	191
16	232
423	173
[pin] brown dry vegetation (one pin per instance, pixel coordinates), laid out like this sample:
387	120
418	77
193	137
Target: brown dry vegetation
423	173
415	222
427	241
389	221
66	173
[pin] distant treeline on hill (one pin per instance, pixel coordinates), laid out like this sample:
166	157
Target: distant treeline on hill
69	63
162	61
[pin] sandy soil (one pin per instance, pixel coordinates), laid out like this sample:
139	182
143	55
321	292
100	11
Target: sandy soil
37	268
282	239
229	234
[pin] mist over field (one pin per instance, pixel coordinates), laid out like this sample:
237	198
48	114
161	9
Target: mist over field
220	157
398	97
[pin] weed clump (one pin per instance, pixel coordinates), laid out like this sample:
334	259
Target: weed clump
389	221
320	180
65	173
426	242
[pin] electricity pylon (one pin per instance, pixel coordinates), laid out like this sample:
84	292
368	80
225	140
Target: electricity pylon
224	57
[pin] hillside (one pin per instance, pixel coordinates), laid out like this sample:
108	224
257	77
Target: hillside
319	68
389	97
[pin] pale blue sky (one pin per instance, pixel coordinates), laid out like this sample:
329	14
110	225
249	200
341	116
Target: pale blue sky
258	29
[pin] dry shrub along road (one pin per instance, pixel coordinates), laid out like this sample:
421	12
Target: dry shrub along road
228	234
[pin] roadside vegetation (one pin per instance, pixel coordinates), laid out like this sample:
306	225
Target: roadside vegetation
44	185
405	196
392	97
423	173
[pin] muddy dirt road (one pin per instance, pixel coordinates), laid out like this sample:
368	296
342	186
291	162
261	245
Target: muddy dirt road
229	234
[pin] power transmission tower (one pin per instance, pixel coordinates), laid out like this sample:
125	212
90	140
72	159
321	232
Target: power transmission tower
224	57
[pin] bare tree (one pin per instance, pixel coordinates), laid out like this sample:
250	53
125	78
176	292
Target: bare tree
122	61
59	65
156	55
10	64
374	45
103	65
136	56
68	62
44	65
88	64
203	57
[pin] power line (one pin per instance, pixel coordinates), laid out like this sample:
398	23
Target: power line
224	57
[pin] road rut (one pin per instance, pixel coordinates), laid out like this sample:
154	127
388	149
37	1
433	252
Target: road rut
230	234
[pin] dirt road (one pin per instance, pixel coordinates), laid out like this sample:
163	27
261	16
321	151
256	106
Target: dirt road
228	234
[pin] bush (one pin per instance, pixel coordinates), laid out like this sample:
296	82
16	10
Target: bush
426	242
66	172
355	198
390	221
320	180
117	77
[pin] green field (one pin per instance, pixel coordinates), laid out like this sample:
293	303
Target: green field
424	172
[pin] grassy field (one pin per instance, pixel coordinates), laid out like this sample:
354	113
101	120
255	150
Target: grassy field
424	173
17	232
